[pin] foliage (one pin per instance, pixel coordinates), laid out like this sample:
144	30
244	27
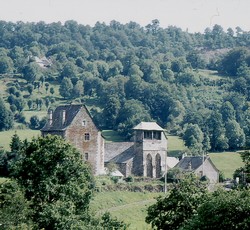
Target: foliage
244	172
14	208
113	64
225	210
6	117
111	223
56	182
176	208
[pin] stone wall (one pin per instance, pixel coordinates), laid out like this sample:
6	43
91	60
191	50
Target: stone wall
84	135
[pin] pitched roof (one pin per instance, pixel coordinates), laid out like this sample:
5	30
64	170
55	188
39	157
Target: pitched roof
57	124
119	152
172	161
148	126
191	163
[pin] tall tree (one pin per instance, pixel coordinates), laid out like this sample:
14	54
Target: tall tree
66	88
56	182
175	209
6	117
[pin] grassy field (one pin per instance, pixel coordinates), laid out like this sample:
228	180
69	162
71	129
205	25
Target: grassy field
227	162
130	207
175	145
5	137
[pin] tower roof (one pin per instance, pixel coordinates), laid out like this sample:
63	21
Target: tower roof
148	126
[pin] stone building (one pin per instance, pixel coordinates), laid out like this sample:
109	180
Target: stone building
200	166
74	123
144	156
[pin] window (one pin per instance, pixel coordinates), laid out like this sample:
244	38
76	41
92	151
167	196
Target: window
84	123
86	136
147	135
157	135
86	156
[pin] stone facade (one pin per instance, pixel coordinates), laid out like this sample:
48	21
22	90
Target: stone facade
145	156
74	123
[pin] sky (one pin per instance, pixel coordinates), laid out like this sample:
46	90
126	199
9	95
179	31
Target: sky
191	15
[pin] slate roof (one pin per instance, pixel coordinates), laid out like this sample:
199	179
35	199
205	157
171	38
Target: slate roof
70	110
119	152
148	126
193	162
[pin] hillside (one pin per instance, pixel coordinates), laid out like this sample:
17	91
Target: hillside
125	74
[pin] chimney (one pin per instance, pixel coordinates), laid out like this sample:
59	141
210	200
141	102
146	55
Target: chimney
50	116
63	116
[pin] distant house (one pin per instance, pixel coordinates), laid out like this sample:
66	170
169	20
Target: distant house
43	62
201	167
145	156
74	123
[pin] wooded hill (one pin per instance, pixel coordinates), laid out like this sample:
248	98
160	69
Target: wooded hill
195	85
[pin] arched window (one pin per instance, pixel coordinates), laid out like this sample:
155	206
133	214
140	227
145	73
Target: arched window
149	166
158	165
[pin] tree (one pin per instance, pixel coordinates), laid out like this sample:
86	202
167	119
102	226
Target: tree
66	88
227	111
56	181
224	210
235	135
69	70
30	88
244	172
78	89
216	131
193	138
52	90
6	117
233	60
34	122
30	104
131	114
176	208
14	208
6	65
111	111
46	87
31	72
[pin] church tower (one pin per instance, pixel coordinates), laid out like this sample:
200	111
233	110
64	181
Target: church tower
150	150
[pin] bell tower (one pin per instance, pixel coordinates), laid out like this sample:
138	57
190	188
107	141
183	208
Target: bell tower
150	150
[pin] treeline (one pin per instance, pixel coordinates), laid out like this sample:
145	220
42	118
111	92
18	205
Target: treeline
135	73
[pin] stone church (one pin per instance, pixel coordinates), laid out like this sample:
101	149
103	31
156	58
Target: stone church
144	156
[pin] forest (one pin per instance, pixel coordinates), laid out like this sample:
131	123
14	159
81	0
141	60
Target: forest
195	85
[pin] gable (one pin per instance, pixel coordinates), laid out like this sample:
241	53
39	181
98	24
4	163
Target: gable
63	116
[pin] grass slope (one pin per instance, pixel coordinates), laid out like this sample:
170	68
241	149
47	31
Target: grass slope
227	162
175	146
5	137
130	207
